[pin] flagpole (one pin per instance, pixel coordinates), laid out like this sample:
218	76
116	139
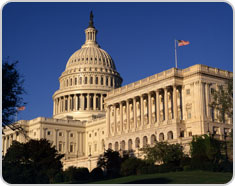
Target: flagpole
175	55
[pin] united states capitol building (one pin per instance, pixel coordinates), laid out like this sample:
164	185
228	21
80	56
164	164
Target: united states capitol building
92	111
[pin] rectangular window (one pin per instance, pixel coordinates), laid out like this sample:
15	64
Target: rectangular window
71	135
60	134
60	147
91	80
71	147
75	81
188	91
48	133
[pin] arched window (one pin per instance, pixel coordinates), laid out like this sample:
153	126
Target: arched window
91	80
85	80
130	144
145	141
71	82
75	81
96	80
116	148
80	80
123	144
110	146
153	139
170	135
161	137
67	83
137	142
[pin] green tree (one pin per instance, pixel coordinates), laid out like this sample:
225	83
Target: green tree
33	162
12	90
164	152
223	100
205	152
110	161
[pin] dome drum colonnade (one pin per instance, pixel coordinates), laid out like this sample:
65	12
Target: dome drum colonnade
145	111
90	73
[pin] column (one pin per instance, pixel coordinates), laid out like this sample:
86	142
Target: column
88	101
134	109
44	132
108	120
101	102
94	101
115	125
128	114
77	143
150	108
166	103
67	142
83	142
157	107
183	103
54	106
68	103
82	106
201	100
208	100
121	116
55	138
142	109
175	108
75	102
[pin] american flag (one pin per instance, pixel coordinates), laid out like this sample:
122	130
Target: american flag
21	108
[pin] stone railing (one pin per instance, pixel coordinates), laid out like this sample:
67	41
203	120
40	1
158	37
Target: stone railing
172	72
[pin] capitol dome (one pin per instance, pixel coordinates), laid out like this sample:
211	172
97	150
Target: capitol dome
89	74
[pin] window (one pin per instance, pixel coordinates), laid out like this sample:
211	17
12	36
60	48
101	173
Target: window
107	81
60	147
34	133
95	148
80	80
101	80
96	80
48	133
71	82
95	133
190	134
60	134
188	91
85	80
71	135
75	81
111	79
90	135
91	80
71	148
182	134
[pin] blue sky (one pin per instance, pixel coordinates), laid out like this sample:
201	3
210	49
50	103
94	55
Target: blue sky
138	36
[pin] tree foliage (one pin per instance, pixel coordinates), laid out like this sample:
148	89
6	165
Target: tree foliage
164	152
110	161
12	89
223	100
205	150
33	162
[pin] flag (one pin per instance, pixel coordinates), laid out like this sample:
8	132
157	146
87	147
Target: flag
21	108
182	42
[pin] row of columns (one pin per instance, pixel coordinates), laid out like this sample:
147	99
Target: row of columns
79	102
161	107
7	142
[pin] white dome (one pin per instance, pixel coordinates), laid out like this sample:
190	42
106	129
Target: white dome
89	74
